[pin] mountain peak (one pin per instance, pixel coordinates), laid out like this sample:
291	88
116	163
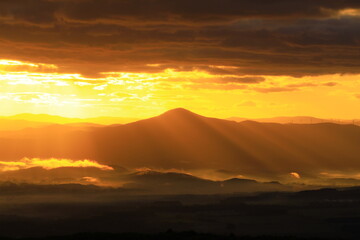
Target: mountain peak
179	112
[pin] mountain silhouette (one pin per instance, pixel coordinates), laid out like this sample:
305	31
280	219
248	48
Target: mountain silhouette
296	120
180	139
181	183
141	182
17	124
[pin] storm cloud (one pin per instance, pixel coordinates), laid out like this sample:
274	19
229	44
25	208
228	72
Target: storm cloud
297	38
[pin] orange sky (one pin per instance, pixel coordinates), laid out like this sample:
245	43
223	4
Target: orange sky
39	88
221	58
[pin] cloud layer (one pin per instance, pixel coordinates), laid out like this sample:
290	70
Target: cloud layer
51	163
252	37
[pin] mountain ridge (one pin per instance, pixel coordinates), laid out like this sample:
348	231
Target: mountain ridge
41	119
297	120
180	139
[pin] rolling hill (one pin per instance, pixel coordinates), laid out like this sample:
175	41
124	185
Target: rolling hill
297	120
180	139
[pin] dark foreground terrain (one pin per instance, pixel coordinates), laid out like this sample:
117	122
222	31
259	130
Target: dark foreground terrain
168	235
326	213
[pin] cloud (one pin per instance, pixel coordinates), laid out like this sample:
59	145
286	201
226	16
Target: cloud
310	84
246	104
216	86
294	38
48	164
91	180
17	66
92	36
275	89
330	84
293	87
295	175
245	80
341	175
176	10
300	85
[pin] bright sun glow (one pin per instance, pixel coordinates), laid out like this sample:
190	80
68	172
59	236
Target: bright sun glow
42	88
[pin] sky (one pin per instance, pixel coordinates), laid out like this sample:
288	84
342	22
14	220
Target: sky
220	58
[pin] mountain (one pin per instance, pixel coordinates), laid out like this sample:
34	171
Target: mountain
62	175
23	121
180	139
14	124
143	182
296	120
180	183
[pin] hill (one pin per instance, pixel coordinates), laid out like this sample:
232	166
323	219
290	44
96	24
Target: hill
297	120
180	139
15	124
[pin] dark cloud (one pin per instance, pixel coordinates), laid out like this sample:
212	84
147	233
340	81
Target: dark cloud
216	86
160	10
247	80
330	84
293	87
252	37
308	84
299	85
276	89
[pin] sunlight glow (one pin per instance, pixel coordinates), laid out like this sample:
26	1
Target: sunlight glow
340	175
350	12
295	175
48	164
12	63
43	88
